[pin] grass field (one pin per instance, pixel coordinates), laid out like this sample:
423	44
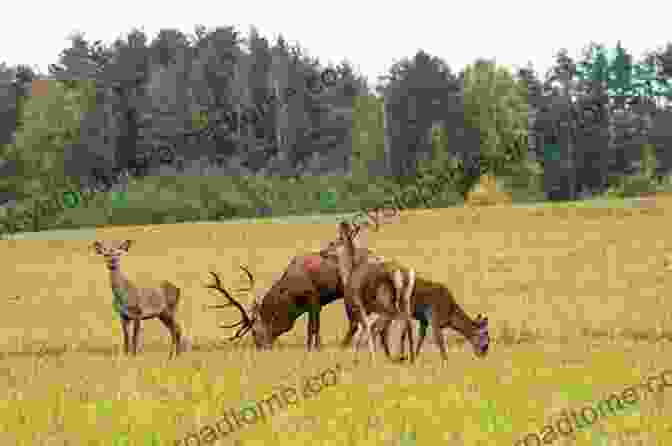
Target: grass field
574	297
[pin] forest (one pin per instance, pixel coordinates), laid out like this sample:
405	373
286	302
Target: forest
258	129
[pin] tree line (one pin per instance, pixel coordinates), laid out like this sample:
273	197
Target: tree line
109	105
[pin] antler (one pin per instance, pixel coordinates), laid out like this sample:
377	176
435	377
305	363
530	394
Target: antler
249	277
245	323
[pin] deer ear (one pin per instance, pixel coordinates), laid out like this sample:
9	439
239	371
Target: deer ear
98	247
126	245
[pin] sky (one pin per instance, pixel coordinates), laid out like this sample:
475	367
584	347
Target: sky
372	35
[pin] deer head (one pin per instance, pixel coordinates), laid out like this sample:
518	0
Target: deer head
251	319
112	250
109	248
344	248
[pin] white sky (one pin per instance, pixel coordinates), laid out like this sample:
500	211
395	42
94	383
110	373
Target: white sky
370	34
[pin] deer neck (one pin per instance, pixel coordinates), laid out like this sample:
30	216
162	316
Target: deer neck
117	278
461	322
119	285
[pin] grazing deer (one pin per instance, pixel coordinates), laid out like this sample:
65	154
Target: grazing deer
137	304
309	282
434	303
363	277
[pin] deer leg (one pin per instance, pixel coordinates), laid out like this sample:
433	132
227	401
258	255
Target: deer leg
309	334
136	335
438	336
178	336
313	342
316	334
409	329
175	333
362	319
383	330
423	335
352	329
124	328
368	332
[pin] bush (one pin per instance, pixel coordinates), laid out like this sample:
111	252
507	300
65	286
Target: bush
633	186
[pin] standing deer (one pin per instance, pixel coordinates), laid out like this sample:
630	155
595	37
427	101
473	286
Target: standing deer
363	277
137	304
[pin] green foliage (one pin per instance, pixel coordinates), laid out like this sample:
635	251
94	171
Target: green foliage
632	186
368	140
497	105
199	120
48	124
620	74
620	79
642	183
524	181
439	181
649	160
157	200
595	67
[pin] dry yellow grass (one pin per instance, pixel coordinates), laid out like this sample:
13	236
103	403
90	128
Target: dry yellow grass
573	296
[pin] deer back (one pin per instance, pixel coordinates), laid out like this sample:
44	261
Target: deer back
435	296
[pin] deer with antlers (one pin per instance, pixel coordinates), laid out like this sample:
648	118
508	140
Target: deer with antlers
137	304
309	282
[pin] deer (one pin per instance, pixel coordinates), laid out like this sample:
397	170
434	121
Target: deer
431	303
310	282
132	303
363	277
435	304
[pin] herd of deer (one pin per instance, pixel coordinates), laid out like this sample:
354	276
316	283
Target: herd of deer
376	292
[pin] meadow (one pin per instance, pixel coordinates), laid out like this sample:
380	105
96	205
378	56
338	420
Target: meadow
574	295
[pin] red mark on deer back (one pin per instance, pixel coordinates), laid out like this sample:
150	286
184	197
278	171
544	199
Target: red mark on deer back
312	263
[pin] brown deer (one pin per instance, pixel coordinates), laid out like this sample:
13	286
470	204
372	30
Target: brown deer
309	282
137	304
363	276
431	302
434	303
